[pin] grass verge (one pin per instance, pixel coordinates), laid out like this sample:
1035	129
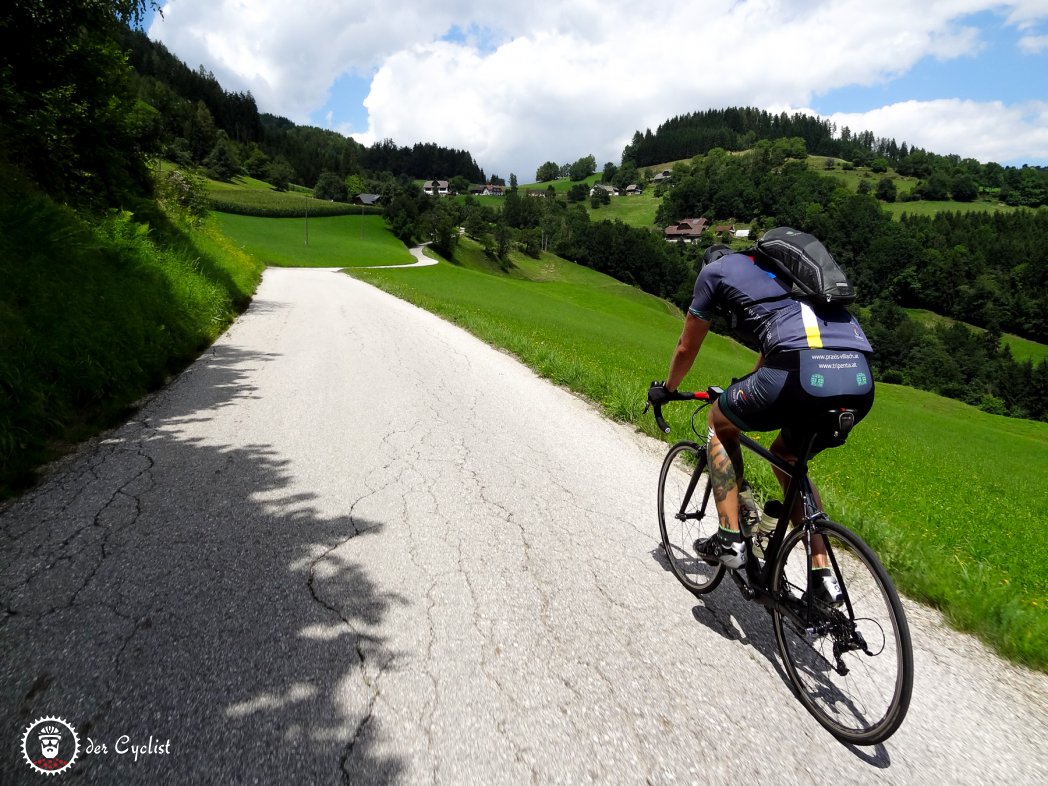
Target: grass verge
953	499
93	314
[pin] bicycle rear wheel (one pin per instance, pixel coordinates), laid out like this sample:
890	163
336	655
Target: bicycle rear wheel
852	666
687	513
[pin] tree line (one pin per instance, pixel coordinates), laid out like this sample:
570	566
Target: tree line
740	128
534	225
987	269
198	123
990	269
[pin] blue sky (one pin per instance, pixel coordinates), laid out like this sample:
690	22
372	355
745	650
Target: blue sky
1000	71
520	84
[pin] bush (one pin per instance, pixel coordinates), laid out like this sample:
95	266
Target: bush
330	186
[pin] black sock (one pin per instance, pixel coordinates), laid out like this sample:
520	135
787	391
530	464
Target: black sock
730	535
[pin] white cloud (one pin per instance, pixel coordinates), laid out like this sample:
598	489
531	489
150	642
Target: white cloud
984	131
1033	44
557	80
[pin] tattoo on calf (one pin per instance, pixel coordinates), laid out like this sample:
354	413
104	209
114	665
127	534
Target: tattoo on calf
722	473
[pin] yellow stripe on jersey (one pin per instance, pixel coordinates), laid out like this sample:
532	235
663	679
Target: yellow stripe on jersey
811	327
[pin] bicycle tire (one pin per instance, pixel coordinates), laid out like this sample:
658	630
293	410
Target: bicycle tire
687	516
867	703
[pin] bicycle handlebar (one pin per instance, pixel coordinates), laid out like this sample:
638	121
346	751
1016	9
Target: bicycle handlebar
707	395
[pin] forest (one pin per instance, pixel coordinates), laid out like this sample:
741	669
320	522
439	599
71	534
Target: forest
740	128
198	123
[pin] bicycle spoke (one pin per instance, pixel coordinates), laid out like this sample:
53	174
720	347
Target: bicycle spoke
852	665
686	513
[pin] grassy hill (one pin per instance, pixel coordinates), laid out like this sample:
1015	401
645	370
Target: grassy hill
958	524
97	311
904	185
1022	348
331	241
640	211
246	195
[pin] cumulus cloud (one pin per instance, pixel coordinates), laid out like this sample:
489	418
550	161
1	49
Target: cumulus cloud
518	84
986	131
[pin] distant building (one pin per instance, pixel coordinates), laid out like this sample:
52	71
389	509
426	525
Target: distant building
436	187
488	189
366	199
730	231
634	190
663	176
610	190
687	229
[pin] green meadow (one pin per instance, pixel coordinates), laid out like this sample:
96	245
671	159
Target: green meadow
1021	348
953	499
904	185
331	241
635	211
253	197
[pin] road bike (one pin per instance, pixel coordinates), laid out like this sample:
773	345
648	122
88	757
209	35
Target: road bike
850	660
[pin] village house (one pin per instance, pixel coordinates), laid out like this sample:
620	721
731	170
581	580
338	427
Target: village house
633	190
662	176
730	231
436	187
610	190
488	189
687	230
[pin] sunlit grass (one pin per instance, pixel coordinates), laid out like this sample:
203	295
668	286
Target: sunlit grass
1021	348
95	314
333	241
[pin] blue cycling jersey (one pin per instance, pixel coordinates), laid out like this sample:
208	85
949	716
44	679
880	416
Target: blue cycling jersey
739	284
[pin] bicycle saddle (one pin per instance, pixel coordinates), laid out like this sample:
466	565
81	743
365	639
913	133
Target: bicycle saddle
838	424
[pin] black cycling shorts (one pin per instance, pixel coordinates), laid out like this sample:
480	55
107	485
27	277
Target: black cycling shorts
793	390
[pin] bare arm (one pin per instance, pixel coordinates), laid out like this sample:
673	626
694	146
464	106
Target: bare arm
691	338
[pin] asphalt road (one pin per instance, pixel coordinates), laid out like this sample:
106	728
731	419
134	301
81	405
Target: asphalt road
354	544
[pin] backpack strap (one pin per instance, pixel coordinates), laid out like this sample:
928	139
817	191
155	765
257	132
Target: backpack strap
787	290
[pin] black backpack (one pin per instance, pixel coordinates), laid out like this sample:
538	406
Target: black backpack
808	270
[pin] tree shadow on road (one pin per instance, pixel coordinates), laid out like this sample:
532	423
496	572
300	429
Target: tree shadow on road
179	587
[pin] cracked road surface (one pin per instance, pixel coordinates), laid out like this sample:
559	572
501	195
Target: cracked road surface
353	544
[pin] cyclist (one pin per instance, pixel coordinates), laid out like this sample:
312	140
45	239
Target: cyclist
812	359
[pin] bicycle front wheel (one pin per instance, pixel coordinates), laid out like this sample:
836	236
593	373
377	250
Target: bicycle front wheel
687	513
852	665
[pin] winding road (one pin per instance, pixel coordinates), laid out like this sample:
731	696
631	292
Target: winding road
353	544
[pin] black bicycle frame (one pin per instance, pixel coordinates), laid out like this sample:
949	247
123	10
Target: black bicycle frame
758	589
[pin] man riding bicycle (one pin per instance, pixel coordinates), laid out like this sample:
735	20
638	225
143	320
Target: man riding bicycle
812	359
